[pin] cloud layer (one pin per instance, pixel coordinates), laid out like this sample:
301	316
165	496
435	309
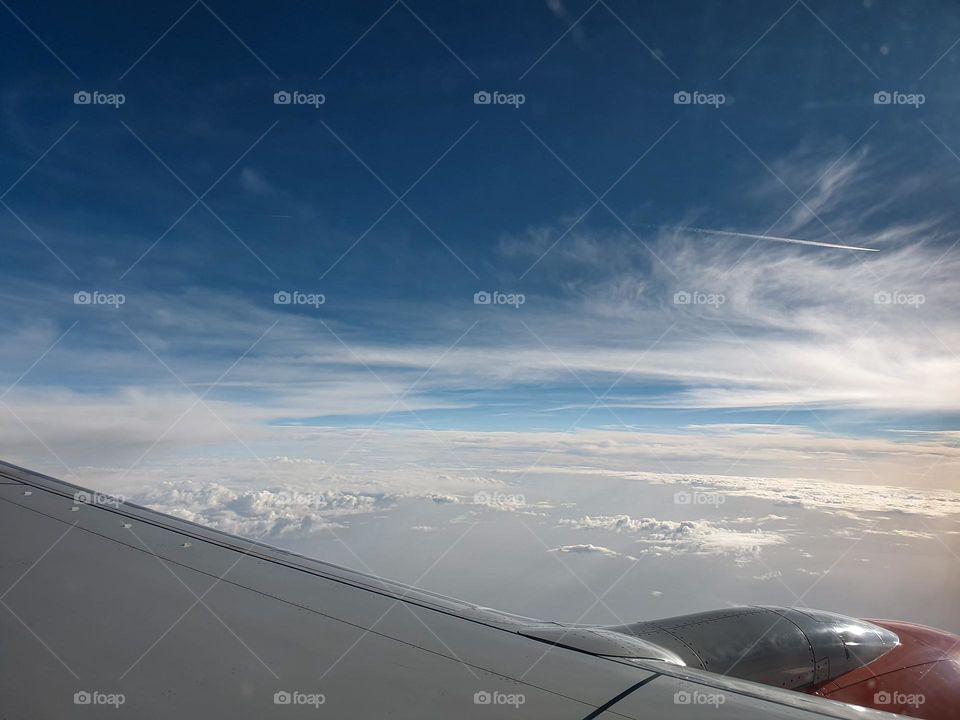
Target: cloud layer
684	536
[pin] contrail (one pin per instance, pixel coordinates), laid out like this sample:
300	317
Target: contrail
773	238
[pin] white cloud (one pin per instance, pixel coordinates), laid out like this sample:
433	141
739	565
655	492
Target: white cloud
683	536
835	497
255	183
268	513
770	575
903	532
588	549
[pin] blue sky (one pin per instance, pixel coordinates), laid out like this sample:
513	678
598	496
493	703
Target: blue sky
810	396
575	199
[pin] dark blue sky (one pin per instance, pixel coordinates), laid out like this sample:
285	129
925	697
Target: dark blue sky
302	198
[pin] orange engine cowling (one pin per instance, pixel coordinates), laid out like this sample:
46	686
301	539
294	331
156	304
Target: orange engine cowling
919	678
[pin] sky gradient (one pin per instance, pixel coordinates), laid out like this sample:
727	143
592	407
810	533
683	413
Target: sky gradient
209	293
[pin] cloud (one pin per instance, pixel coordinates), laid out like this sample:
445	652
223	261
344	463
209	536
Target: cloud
255	183
770	575
841	498
681	537
902	532
269	513
588	549
799	329
559	10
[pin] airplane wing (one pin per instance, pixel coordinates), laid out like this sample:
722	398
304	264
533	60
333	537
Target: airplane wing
114	610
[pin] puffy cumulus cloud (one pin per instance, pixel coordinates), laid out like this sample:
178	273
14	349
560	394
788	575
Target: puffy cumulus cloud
270	513
683	536
588	549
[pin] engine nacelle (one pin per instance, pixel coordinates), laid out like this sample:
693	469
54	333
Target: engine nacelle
884	665
784	647
919	678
